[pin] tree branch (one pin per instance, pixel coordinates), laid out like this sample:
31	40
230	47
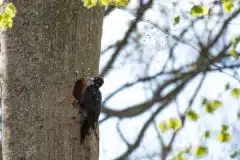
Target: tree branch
124	41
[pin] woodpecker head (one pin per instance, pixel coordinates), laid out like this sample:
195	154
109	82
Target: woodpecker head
79	88
98	81
81	83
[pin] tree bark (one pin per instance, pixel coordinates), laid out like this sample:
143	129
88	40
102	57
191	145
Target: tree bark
40	56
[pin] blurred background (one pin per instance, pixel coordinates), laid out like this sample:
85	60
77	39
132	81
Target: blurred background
171	81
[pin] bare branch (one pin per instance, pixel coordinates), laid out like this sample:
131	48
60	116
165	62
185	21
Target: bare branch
146	125
183	118
124	41
140	108
121	134
224	26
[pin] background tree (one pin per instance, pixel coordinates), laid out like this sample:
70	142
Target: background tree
171	57
50	46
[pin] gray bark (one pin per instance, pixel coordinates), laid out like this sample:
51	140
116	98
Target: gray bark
50	41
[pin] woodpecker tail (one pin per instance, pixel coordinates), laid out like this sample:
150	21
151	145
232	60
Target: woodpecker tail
84	130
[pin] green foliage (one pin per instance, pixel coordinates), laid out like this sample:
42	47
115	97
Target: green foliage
163	126
212	106
234	53
234	154
236	93
6	18
92	3
121	3
235	42
202	10
207	134
199	10
176	20
180	157
174	123
89	3
224	128
216	104
188	149
227	5
200	151
209	109
204	101
192	116
224	136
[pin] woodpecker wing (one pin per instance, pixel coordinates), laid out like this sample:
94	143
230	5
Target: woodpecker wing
92	100
98	104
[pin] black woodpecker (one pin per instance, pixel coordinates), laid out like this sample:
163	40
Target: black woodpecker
92	103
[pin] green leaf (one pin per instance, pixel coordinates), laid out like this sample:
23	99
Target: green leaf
163	126
234	154
204	101
10	10
209	109
224	128
104	2
216	104
6	18
212	106
200	151
224	137
235	40
180	158
199	10
121	3
234	53
207	134
188	149
174	123
89	3
236	93
228	5
192	116
93	3
181	152
176	20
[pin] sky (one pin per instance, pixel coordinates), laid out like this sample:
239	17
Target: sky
111	145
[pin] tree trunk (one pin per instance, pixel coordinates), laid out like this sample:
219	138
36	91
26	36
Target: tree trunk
49	42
